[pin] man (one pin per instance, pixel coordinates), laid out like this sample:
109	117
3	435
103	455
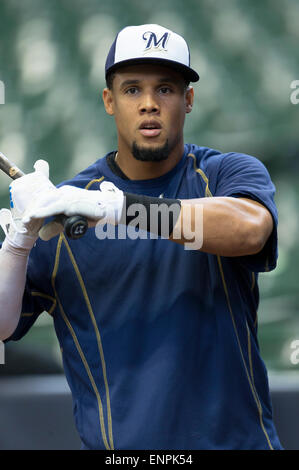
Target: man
159	342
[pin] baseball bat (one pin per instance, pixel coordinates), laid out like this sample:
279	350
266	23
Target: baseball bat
74	226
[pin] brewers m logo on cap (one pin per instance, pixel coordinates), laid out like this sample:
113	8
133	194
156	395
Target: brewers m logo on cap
150	44
153	42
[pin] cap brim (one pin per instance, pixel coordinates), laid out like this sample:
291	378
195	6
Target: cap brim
187	72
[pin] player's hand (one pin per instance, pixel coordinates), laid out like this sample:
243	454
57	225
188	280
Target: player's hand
103	205
23	193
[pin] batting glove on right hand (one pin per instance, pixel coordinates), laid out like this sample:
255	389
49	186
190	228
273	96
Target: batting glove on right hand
23	192
101	206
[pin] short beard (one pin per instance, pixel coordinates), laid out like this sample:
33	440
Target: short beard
144	154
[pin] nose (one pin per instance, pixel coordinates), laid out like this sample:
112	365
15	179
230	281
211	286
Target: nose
149	104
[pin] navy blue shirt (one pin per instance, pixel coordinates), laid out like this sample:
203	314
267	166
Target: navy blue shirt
159	343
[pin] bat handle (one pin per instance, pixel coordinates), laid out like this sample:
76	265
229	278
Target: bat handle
74	226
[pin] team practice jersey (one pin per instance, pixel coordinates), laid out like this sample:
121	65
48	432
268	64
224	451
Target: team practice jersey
159	343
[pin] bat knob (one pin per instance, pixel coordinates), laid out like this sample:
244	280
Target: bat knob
75	226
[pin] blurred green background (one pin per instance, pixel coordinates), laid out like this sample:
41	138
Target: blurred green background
52	56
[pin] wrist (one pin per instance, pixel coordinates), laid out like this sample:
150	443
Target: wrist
17	235
109	204
156	215
9	246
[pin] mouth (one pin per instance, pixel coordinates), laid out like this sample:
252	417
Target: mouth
150	128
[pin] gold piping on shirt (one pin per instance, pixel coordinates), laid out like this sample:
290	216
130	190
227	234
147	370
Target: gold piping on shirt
46	296
254	393
251	383
202	174
77	344
98	336
97	180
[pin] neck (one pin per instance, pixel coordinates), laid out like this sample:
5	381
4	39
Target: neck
138	170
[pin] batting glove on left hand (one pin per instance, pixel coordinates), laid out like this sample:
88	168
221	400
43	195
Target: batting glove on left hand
23	192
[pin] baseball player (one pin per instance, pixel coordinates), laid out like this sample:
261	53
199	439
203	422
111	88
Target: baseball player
155	311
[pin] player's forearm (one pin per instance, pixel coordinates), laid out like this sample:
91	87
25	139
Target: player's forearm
13	266
223	225
228	226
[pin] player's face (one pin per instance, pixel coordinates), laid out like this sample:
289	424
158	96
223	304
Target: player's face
149	104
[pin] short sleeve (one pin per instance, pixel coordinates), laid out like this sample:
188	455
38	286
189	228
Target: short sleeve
242	175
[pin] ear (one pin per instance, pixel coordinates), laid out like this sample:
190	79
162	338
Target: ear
108	101
189	99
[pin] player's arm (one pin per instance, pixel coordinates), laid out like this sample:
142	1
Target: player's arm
19	240
225	226
13	266
221	225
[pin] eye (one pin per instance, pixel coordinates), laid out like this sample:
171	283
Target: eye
131	91
165	90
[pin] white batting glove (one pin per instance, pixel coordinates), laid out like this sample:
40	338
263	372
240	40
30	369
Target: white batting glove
23	192
104	205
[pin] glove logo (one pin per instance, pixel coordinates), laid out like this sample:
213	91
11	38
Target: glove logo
10	198
153	42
